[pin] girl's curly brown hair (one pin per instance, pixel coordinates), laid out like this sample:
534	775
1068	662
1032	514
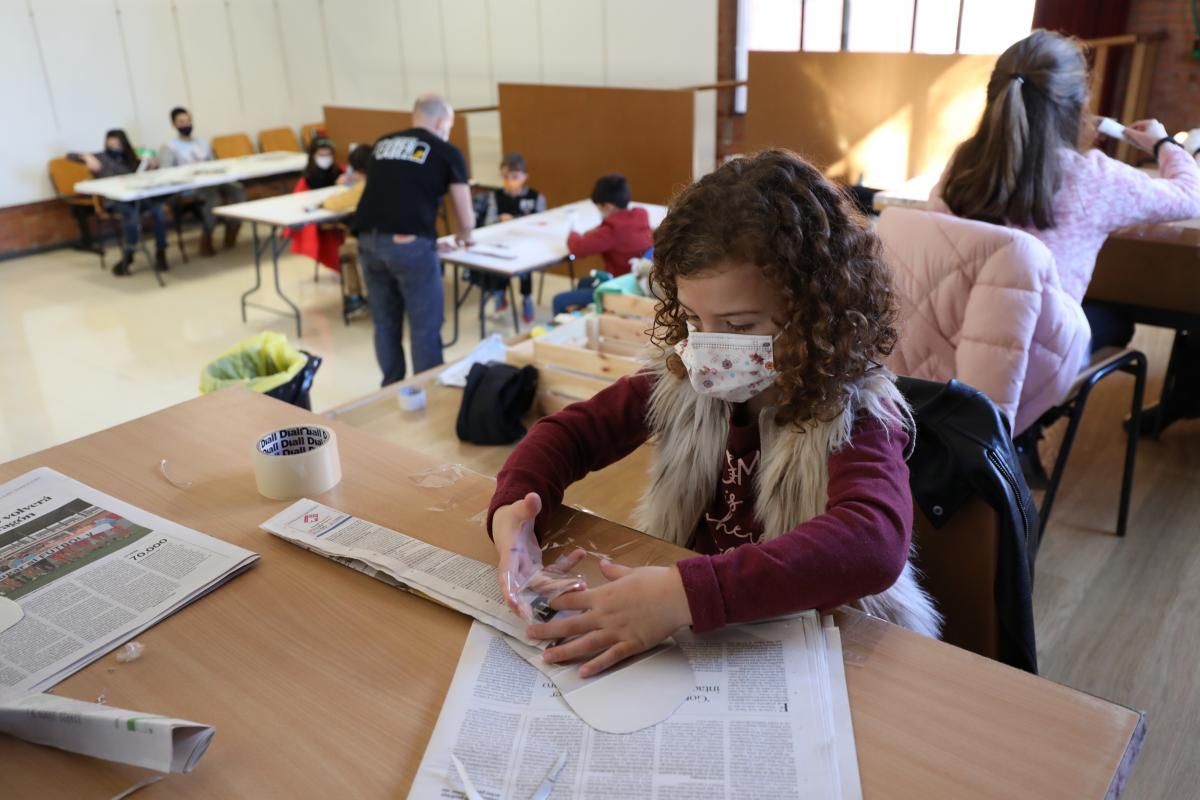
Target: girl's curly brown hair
776	211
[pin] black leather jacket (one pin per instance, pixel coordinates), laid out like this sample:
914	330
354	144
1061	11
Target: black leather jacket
963	450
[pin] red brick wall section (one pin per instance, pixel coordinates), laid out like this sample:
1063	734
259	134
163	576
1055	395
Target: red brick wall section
1175	91
50	223
36	225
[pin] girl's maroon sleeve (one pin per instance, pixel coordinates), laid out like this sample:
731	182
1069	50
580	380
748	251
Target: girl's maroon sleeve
564	447
857	548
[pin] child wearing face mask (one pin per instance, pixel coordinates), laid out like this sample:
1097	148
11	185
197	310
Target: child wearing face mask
514	199
322	243
118	158
780	440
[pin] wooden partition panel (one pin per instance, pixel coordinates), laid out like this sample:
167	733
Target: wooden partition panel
571	135
346	125
884	117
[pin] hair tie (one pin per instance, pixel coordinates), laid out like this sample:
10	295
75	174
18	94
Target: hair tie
1016	76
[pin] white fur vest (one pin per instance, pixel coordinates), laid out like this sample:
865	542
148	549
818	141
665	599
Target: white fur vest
691	431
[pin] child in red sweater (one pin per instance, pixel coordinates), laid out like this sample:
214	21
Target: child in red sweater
623	232
780	441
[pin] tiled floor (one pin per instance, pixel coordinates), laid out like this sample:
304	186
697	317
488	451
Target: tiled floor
81	350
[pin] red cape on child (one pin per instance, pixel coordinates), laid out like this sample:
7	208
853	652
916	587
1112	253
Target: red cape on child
323	245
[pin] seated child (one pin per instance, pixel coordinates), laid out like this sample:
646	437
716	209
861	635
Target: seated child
318	242
515	199
779	440
623	232
354	300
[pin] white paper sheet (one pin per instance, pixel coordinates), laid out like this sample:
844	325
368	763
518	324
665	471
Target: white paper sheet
490	349
753	726
90	572
650	687
114	734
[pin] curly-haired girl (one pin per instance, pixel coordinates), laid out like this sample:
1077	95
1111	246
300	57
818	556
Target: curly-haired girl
780	440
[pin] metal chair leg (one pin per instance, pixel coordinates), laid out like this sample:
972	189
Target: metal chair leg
1060	462
177	213
541	284
1137	365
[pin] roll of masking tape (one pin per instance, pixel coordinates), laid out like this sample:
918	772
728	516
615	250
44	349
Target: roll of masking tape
291	463
411	398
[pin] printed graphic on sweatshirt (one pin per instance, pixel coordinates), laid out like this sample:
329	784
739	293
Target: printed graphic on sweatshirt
729	529
403	148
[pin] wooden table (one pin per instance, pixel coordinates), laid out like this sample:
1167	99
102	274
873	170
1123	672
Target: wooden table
611	493
322	682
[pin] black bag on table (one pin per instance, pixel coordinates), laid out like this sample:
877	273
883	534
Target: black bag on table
497	396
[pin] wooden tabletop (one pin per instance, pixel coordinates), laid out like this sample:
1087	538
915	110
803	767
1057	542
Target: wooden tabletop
611	493
322	682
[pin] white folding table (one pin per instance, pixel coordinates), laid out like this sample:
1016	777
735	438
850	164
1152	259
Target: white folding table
138	187
526	244
285	212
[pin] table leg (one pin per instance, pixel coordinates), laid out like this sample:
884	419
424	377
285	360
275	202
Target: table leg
512	297
141	242
483	296
277	245
257	268
457	304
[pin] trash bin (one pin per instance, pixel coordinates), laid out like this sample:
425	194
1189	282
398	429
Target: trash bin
265	363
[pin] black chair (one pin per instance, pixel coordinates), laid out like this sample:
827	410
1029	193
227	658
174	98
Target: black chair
181	206
1103	363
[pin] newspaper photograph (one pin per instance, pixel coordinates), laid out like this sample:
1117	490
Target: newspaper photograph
89	573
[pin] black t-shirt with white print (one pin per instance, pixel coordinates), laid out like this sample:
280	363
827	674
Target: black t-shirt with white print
409	173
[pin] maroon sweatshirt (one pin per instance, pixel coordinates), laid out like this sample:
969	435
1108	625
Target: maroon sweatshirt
620	236
858	547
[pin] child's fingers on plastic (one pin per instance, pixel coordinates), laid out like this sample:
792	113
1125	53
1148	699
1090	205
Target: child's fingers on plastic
586	645
567	561
573	601
613	655
562	627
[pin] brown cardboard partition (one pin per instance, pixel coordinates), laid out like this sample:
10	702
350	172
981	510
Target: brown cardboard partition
346	124
571	135
884	117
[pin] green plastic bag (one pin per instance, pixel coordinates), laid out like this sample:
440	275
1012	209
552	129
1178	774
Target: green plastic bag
262	363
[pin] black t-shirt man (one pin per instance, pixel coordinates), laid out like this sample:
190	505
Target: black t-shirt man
409	174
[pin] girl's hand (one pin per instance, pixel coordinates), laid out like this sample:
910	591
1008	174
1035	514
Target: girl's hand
518	547
1145	133
635	611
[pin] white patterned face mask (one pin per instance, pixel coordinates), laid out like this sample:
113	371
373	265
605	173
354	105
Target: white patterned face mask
728	366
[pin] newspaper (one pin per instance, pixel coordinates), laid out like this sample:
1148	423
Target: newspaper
763	721
654	684
91	572
458	582
115	734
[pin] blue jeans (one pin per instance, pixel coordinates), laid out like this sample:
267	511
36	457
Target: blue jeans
400	278
129	218
579	296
